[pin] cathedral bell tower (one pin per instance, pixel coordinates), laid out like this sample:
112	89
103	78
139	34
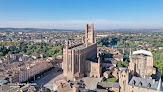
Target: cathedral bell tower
89	34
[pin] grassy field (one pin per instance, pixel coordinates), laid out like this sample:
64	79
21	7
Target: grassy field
111	79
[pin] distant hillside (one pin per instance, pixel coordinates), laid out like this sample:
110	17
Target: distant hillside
114	30
31	29
133	30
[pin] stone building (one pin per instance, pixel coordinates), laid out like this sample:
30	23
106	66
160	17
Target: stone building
138	77
81	59
141	64
129	83
33	69
93	67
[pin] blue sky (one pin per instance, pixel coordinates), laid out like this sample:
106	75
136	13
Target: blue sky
74	14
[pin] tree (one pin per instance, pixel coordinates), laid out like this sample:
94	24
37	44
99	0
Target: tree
60	52
10	39
104	79
29	52
105	52
1	53
120	64
126	63
10	52
156	63
161	68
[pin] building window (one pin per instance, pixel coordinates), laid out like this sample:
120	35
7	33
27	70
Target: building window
124	82
140	84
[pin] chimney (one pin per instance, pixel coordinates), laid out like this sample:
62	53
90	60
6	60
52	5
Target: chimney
82	39
153	81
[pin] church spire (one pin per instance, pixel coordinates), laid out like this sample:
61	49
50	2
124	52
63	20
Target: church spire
159	87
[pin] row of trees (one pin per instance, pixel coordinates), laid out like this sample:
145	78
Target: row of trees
129	41
158	60
142	40
107	41
31	48
123	64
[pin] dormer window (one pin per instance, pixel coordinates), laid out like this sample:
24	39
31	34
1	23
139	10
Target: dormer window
133	82
140	84
149	85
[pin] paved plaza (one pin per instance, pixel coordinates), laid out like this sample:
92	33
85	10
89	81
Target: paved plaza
49	78
91	83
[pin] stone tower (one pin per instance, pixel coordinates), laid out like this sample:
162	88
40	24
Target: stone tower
141	64
124	76
89	34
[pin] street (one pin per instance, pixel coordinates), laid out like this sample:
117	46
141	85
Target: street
48	79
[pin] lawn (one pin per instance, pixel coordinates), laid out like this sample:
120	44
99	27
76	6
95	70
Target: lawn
111	79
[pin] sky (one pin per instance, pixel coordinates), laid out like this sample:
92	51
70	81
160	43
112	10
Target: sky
74	14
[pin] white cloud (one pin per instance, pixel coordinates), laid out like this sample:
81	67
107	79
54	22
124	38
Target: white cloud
79	24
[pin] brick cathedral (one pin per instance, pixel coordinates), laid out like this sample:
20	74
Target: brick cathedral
81	59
